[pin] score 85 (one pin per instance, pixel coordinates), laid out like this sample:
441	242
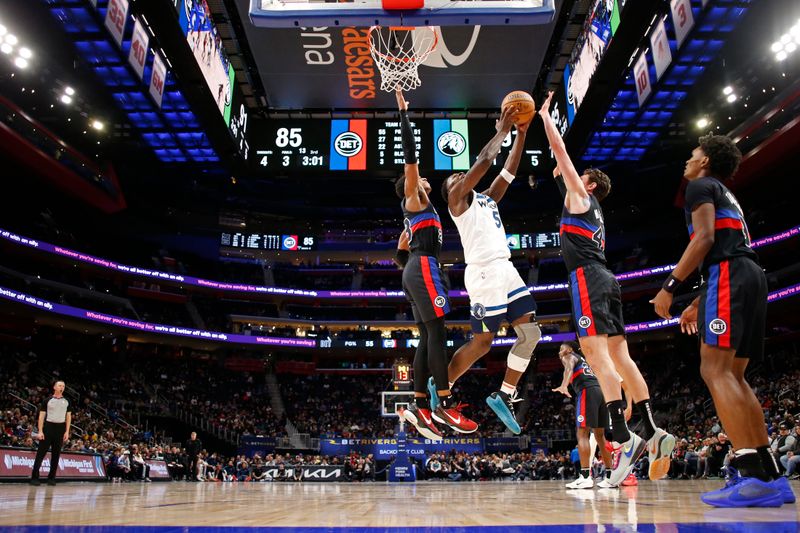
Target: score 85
289	137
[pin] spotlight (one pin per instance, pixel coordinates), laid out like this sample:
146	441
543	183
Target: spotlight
96	124
727	90
11	39
731	98
69	91
702	123
777	46
785	38
25	53
66	99
21	62
791	47
780	56
3	30
6	48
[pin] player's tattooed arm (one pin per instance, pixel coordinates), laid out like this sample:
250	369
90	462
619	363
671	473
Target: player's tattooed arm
569	366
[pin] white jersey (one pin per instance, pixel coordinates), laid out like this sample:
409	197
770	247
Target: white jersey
482	233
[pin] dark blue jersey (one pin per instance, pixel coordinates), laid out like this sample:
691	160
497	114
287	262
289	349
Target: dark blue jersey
582	376
583	236
731	238
424	230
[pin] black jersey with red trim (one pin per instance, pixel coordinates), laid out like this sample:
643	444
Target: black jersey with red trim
582	376
583	236
731	237
424	230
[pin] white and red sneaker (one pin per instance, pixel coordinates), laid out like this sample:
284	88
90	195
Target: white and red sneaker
421	419
630	481
454	418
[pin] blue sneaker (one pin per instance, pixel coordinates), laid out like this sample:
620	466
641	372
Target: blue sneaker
744	492
433	393
782	484
503	406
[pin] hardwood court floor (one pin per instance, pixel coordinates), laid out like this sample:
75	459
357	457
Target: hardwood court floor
652	506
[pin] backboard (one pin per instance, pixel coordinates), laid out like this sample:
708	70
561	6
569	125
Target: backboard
365	13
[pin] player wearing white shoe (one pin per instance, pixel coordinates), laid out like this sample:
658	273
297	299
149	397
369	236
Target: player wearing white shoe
496	290
591	415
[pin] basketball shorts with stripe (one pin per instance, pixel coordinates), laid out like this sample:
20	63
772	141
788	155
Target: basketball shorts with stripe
733	307
496	294
590	409
426	287
596	301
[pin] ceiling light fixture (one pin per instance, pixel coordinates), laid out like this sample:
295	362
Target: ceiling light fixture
702	123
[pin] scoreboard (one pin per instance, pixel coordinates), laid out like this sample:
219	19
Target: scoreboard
533	241
375	144
268	241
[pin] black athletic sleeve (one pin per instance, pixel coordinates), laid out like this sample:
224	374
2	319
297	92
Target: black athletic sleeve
700	191
43	405
69	406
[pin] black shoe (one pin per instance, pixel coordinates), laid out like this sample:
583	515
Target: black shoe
51	482
35	482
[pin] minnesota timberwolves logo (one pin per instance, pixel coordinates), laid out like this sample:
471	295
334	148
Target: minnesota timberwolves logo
347	144
478	311
440	301
584	322
717	326
451	143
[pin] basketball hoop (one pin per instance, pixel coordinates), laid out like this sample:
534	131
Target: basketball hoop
398	51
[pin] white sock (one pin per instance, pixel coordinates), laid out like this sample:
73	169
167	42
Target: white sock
508	389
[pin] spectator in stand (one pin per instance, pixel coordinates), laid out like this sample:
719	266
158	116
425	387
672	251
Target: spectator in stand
783	443
718	458
193	449
139	468
791	458
116	468
243	470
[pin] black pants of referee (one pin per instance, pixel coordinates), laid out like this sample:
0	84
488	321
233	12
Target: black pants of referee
53	439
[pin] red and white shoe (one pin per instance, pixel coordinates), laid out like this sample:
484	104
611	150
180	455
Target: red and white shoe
630	481
454	418
422	420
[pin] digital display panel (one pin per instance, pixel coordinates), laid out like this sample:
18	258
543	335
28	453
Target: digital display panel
376	144
268	241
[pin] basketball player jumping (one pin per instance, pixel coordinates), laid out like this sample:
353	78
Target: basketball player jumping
426	287
730	315
590	412
597	309
496	291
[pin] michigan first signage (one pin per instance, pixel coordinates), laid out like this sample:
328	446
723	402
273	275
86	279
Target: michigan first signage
16	463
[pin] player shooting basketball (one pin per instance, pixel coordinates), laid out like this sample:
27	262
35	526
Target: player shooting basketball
496	291
426	288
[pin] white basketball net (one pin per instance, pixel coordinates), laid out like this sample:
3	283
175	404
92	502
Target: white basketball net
398	52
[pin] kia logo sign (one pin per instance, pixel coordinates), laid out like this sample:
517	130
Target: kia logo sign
348	144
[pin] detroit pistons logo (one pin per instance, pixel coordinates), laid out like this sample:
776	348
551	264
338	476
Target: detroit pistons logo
584	322
581	419
440	301
348	144
478	311
717	326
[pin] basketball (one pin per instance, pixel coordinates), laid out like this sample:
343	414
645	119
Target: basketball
523	102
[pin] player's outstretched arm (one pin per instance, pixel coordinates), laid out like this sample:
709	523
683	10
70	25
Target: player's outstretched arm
411	167
501	183
485	159
577	198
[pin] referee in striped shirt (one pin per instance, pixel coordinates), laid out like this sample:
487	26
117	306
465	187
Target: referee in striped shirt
55	418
